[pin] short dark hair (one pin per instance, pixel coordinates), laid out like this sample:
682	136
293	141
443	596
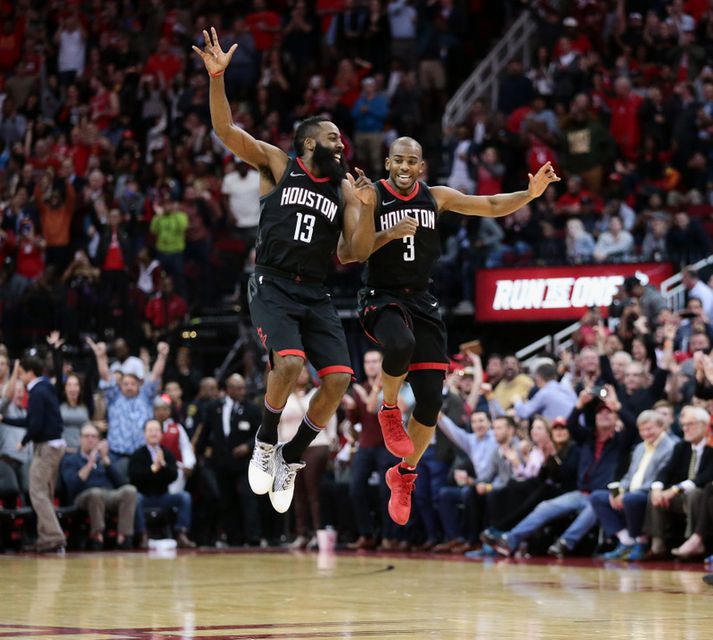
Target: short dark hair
509	419
146	424
307	129
546	371
31	361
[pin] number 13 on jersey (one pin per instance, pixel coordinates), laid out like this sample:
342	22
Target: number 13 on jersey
304	227
410	249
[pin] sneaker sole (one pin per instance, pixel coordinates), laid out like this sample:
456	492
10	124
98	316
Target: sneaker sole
398	451
260	482
391	514
279	497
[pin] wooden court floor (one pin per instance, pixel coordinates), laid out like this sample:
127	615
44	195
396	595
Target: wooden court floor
135	596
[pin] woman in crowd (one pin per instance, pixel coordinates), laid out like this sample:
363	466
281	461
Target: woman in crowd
557	475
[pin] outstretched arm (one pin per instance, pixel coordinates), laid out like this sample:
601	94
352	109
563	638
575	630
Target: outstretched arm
498	205
267	158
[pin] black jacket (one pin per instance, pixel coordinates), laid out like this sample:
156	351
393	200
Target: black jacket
244	422
105	241
560	470
677	468
43	421
146	481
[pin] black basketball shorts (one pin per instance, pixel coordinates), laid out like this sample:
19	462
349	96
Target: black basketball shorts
298	319
421	314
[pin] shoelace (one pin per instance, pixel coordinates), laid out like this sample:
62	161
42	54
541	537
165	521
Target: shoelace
286	475
394	426
404	495
262	456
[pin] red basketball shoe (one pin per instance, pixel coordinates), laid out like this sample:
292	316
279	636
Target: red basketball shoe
392	428
402	486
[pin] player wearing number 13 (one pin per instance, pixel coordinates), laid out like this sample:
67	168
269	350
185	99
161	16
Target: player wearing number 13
399	313
310	207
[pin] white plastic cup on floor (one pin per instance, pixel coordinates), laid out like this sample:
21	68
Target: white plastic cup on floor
326	540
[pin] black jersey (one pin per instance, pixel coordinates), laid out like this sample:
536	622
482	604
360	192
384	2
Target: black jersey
300	222
404	263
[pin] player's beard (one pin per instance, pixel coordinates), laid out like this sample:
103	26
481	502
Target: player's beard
327	165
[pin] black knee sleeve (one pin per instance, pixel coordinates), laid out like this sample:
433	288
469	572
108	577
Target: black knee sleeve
397	341
427	387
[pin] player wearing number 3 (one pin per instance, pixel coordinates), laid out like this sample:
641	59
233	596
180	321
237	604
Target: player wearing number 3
309	209
396	309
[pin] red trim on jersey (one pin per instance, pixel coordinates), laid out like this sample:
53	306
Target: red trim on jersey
421	366
307	171
372	338
292	352
410	196
337	368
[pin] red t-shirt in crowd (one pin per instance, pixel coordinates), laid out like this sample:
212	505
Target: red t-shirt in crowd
30	259
370	435
164	66
488	184
11	46
114	260
538	154
257	22
161	312
567	200
624	125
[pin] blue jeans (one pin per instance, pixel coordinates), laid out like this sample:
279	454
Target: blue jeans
567	503
631	517
432	476
450	507
181	501
367	460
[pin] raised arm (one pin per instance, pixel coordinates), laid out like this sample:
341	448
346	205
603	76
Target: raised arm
268	159
498	205
454	433
160	365
99	349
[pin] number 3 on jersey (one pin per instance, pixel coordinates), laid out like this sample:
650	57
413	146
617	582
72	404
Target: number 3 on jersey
410	251
304	227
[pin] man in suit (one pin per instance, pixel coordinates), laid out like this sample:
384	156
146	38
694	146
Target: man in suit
229	436
152	468
44	429
678	487
621	511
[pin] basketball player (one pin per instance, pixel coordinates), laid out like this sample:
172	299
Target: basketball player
306	203
396	309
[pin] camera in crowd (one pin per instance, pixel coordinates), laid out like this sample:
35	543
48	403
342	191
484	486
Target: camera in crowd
599	392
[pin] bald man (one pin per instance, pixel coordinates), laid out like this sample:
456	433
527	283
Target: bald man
396	309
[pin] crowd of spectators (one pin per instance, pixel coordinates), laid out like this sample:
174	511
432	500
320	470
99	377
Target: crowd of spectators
123	215
612	435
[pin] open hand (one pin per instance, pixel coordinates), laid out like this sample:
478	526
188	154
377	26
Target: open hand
215	59
541	180
54	340
362	188
99	348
